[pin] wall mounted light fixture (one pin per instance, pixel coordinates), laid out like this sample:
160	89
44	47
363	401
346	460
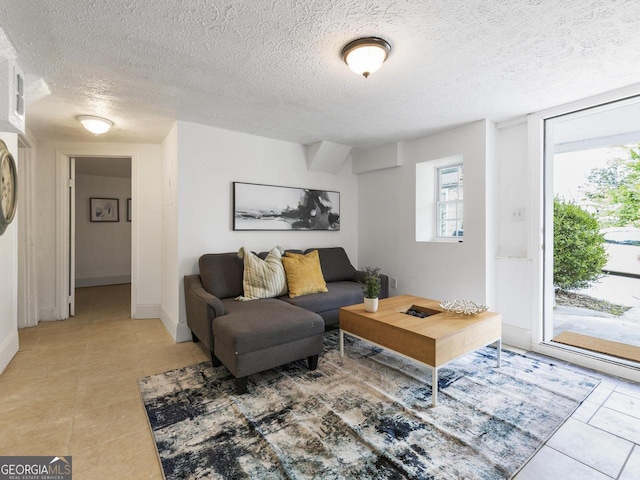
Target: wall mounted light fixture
366	55
95	125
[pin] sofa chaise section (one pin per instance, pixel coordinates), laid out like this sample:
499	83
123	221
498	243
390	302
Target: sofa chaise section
258	335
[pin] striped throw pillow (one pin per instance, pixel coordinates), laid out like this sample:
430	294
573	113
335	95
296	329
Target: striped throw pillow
262	278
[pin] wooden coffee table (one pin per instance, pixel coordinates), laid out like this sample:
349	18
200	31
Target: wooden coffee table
435	340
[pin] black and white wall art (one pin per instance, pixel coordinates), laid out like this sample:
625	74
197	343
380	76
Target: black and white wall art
269	207
104	209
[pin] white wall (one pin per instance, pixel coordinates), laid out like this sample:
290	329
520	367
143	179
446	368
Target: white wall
146	229
9	276
103	249
386	204
209	160
513	191
514	286
146	192
170	277
493	264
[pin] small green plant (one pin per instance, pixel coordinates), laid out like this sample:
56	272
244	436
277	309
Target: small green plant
371	285
578	246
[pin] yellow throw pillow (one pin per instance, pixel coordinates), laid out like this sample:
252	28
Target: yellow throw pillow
304	274
262	278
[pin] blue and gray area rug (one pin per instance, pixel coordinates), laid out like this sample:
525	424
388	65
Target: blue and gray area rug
365	416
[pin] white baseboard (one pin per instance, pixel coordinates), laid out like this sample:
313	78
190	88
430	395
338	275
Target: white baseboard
179	331
516	336
46	313
147	311
99	281
183	333
168	321
8	349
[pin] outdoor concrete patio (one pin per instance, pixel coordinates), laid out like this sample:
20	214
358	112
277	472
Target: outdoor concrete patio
612	288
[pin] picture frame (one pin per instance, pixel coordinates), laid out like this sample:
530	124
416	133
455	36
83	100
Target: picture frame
128	209
104	209
271	207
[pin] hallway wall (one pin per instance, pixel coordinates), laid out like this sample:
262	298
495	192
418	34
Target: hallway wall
103	249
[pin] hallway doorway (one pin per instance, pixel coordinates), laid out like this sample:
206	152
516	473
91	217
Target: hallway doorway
100	221
64	284
102	245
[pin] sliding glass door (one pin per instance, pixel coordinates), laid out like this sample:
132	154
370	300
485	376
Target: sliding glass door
592	230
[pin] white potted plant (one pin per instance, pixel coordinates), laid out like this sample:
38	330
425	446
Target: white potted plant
371	288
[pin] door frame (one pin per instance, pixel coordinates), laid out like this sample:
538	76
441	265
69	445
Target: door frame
541	226
27	268
62	261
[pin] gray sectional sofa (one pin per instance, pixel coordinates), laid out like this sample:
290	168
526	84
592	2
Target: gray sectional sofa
250	337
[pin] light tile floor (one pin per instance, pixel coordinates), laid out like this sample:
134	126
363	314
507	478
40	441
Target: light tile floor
600	441
71	390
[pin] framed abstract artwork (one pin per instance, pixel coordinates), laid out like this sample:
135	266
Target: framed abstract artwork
104	209
269	207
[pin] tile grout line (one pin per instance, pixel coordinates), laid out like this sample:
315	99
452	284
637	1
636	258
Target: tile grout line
128	434
623	412
611	433
626	461
578	461
599	407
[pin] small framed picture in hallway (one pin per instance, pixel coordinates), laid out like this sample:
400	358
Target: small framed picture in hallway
104	209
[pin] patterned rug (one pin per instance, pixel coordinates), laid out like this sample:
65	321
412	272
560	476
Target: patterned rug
365	416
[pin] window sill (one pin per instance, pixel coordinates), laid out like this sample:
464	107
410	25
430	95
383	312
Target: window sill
442	240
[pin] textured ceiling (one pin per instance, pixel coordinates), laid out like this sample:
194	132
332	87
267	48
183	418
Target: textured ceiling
273	68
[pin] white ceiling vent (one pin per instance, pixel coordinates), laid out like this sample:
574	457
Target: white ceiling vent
11	97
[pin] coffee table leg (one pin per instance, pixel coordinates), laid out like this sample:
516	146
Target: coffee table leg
434	387
499	352
341	343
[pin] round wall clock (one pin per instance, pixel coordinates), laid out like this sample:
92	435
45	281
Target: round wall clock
8	187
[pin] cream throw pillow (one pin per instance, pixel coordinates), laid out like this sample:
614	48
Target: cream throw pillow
304	274
263	278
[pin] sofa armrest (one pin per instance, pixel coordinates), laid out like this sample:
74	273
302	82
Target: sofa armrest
202	308
384	282
211	301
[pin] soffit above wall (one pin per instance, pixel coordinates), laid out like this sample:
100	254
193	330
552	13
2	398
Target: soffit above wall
104	167
274	68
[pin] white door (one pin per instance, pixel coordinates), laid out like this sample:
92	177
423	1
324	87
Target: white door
72	236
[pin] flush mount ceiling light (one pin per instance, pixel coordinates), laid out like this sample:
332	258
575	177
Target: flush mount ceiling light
366	55
95	125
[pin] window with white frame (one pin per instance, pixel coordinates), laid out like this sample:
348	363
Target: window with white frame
449	201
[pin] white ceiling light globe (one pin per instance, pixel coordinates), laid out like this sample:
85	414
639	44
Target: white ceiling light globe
95	125
366	55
